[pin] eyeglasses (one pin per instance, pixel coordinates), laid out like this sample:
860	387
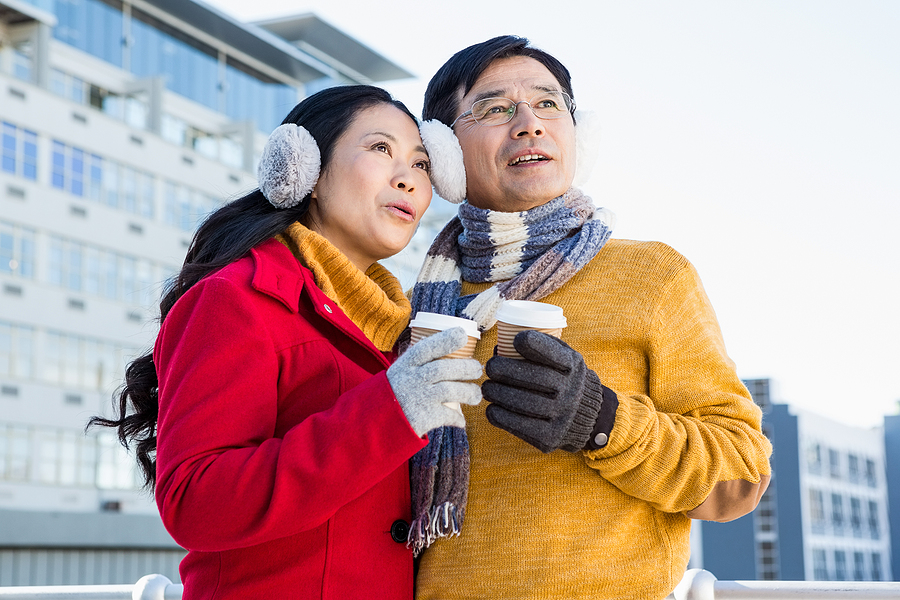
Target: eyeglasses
497	111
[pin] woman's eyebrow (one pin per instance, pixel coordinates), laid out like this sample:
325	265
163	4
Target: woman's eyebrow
391	137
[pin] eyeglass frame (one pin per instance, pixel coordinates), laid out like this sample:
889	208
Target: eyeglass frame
515	106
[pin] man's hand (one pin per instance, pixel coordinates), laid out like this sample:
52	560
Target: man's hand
550	399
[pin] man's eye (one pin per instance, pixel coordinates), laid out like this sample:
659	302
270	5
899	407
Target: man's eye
493	107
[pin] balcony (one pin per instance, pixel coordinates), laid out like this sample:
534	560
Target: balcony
696	585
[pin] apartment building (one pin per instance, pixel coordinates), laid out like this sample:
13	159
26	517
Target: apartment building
124	122
825	515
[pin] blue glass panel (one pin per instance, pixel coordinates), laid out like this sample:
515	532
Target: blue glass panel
79	20
188	71
29	155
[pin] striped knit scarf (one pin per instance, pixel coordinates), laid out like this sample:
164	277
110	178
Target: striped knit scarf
530	254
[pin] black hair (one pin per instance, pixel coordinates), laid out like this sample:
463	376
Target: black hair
225	236
466	66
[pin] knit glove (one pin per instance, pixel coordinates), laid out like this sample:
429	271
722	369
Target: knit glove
422	381
550	400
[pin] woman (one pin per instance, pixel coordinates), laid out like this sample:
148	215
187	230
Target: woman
268	417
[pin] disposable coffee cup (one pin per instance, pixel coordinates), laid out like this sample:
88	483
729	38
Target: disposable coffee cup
426	324
514	316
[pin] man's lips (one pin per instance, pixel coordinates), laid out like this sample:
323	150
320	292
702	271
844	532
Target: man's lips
527	158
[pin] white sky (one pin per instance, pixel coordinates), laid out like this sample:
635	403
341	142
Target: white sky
760	139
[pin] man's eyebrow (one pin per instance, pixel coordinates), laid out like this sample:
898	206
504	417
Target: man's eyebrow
497	93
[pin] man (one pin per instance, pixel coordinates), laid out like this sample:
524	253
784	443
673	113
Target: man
592	454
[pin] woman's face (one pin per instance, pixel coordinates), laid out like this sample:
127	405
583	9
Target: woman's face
375	187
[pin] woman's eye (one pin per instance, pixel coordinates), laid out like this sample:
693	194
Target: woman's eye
382	147
423	164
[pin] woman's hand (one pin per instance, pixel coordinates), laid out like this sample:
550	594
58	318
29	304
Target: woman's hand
423	381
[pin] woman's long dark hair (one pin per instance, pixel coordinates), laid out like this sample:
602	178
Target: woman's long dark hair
225	236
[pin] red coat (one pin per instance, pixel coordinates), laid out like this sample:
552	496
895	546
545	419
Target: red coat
282	451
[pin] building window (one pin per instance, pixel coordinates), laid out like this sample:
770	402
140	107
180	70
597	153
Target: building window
853	468
15	450
105	181
816	508
859	566
837	512
68	86
92	270
23	60
820	565
19	151
115	468
871	476
876	566
814	458
840	565
834	463
874	532
767	569
16	351
856	516
16	250
186	208
79	23
80	362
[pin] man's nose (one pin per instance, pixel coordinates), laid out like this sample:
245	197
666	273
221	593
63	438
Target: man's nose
525	122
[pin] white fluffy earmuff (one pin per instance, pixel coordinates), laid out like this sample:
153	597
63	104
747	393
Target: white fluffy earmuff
587	145
289	166
448	174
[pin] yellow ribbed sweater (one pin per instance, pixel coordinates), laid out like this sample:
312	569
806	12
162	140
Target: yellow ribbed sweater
608	523
373	300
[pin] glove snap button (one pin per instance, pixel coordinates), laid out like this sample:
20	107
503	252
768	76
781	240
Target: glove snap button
399	531
600	439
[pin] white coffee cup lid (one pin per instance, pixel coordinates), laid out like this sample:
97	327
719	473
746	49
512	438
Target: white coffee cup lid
531	314
429	320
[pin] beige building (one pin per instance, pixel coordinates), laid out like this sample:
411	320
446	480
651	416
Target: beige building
123	124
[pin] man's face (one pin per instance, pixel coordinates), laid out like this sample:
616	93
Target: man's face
524	163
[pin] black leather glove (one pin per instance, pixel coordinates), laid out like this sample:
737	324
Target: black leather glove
550	399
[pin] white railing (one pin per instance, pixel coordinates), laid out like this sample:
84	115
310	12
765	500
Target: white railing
149	587
696	585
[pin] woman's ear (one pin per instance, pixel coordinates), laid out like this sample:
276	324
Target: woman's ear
448	172
587	145
289	166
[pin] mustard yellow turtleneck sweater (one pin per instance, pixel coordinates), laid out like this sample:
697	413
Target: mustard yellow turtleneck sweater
615	522
373	300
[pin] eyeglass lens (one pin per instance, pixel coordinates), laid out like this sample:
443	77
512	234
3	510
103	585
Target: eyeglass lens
497	111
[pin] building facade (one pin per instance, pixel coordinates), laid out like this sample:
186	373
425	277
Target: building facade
124	122
825	514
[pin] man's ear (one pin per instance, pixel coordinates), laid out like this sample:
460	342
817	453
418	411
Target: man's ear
587	145
448	172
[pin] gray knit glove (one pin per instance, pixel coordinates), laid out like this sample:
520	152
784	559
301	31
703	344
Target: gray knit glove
550	400
422	381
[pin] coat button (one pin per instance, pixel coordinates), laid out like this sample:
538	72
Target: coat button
399	531
328	308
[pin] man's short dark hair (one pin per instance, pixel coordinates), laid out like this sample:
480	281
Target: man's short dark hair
466	66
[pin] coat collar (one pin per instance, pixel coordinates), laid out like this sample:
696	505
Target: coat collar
279	275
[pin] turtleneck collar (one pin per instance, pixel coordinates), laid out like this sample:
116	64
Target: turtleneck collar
373	300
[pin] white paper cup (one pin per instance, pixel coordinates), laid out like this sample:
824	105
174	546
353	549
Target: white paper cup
514	316
426	324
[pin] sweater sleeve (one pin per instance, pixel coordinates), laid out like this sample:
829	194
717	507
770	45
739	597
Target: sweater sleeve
230	473
693	443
